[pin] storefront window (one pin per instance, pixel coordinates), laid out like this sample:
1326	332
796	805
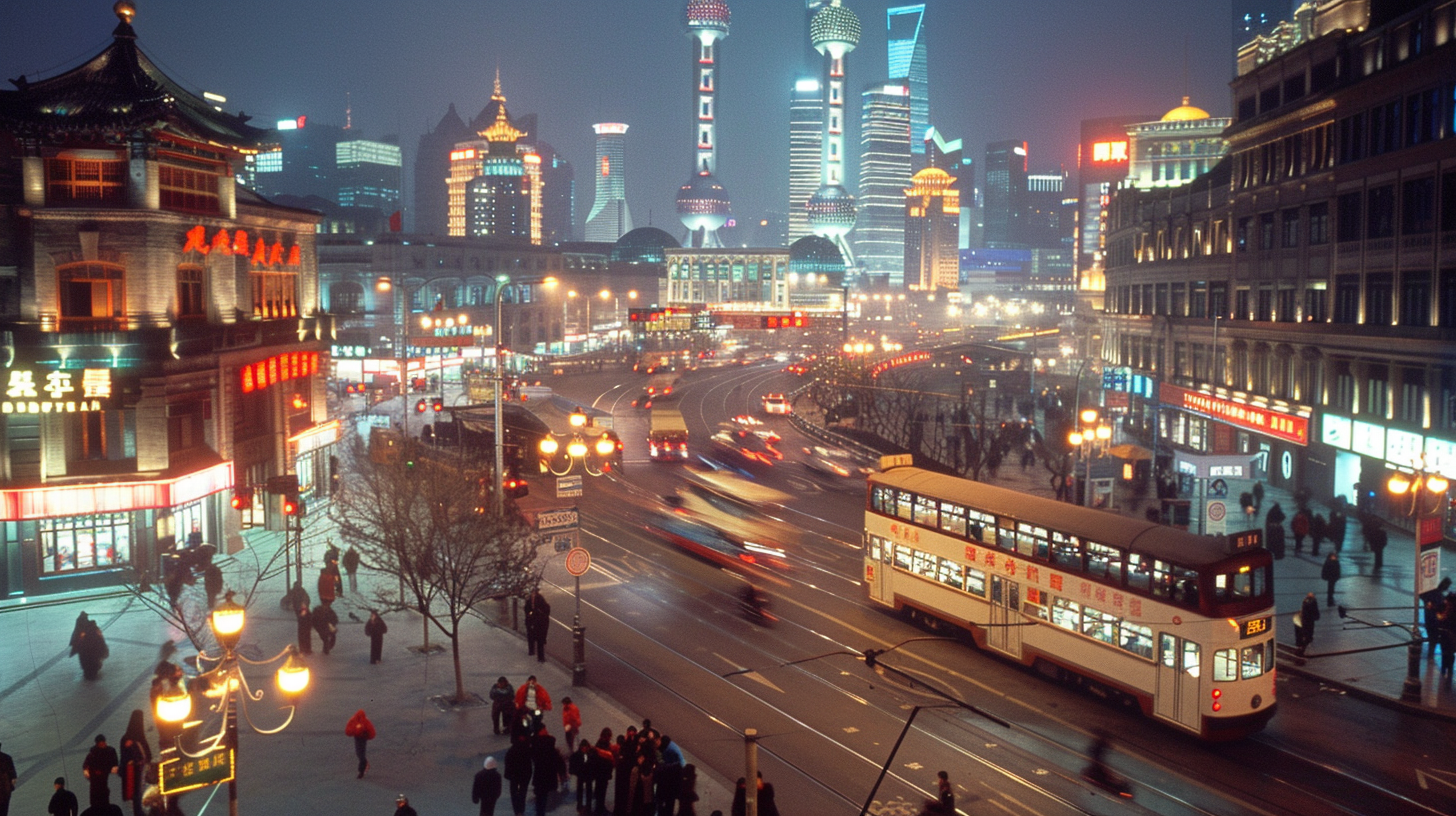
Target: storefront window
84	542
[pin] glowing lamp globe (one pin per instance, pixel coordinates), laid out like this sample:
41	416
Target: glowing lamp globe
605	446
174	704
576	449
549	446
292	676
834	30
1436	483
702	203
227	620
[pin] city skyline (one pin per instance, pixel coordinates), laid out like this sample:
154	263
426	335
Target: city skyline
988	70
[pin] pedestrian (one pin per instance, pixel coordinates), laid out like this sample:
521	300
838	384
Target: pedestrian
518	773
63	802
767	800
212	582
1337	528
1304	621
740	798
639	796
9	780
402	806
295	596
351	567
532	699
1433	601
326	623
599	765
136	759
487	786
944	801
1330	572
1299	525
362	730
1447	620
538	625
545	769
580	767
570	723
1258	496
331	552
1275	515
1377	540
375	628
687	792
305	629
100	763
622	774
1274	533
328	586
668	775
502	704
1318	531
89	646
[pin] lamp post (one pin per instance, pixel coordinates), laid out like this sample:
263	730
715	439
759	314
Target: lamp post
580	443
1092	437
227	682
500	442
400	307
1428	523
433	325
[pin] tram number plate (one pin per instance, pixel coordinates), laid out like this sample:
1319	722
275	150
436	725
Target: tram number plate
1255	627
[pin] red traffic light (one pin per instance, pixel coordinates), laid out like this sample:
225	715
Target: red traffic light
420	407
292	505
242	498
438	405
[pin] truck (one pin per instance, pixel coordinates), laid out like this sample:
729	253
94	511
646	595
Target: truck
667	436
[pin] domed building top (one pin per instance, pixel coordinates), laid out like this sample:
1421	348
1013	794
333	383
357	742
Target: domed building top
1185	113
644	245
834	24
931	179
702	193
708	14
501	130
814	254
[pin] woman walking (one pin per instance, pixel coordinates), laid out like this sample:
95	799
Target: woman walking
136	758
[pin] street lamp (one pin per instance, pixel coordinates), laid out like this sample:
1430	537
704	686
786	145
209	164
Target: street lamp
500	443
433	325
1428	535
230	686
580	442
1092	437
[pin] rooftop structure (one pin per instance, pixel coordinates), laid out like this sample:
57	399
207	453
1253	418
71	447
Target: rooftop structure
702	203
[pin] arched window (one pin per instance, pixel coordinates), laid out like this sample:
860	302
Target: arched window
92	296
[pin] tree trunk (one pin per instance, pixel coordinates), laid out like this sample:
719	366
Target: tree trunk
425	627
455	653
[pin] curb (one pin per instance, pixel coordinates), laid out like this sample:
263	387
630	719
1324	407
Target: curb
1365	694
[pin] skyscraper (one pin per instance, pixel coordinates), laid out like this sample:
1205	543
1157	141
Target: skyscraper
368	174
609	218
498	201
806	148
834	31
909	63
1005	192
702	203
951	157
884	173
432	166
558	206
932	231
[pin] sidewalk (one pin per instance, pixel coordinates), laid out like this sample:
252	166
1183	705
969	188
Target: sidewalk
49	715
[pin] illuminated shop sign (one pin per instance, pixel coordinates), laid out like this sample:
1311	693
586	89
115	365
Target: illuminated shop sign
236	242
278	368
1109	152
354	352
1368	439
462	155
1335	431
56	391
1251	417
113	497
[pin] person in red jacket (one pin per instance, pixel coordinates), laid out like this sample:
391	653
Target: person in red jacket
362	731
570	723
531	700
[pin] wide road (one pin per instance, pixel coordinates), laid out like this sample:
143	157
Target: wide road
665	639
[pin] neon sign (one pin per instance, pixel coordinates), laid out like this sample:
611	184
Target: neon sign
278	368
1252	417
236	243
1105	152
60	392
462	155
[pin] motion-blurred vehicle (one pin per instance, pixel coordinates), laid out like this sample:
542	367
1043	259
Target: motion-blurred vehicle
754	426
667	436
834	462
776	404
658	389
745	448
717	546
730	502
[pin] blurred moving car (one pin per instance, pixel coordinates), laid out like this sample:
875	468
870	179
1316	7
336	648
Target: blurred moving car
738	505
835	462
744	447
775	404
717	546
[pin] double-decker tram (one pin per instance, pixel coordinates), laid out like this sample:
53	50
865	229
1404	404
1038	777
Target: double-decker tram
1181	623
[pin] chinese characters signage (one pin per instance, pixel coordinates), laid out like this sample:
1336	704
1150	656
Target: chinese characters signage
259	253
278	368
56	391
188	773
1251	417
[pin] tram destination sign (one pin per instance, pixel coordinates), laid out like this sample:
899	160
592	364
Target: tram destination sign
1254	627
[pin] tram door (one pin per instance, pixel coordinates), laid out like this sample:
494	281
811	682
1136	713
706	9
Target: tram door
1179	668
1005	634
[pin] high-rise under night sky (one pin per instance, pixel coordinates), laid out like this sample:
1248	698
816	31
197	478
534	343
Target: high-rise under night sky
1029	70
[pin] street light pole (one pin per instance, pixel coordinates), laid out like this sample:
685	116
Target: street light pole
500	444
1436	485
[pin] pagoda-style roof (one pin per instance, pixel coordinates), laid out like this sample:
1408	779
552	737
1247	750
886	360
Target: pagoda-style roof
120	91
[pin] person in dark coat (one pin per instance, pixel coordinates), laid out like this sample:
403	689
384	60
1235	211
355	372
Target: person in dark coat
9	780
622	773
1309	613
1259	496
100	763
402	806
1299	525
1330	572
328	586
687	793
1274	531
1377	540
136	759
545	769
600	765
305	629
351	567
518	773
538	625
1319	530
63	802
1337	528
212	582
326	623
1447	621
502	704
375	629
89	646
1433	601
579	766
487	787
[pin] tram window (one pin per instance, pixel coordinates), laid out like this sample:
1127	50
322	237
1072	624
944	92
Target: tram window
902	556
1165	585
1099	625
1138	639
882	500
975	582
1067	614
1067	552
925	565
1254	661
925	512
1104	562
1006	535
1035	605
1168	649
903	501
1245	583
874	547
1185	587
950	574
1031	541
1225	665
1139	572
1192	658
953	519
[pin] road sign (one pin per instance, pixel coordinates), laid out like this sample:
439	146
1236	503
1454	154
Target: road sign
188	773
578	561
1216	514
568	486
557	519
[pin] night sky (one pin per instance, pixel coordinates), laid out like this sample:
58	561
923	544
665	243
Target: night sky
1031	69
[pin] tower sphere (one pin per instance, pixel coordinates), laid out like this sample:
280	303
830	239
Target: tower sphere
834	31
831	211
708	14
703	202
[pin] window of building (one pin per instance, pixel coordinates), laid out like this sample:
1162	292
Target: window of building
1198	299
1423	117
1288	301
1319	223
1385	128
1314	303
1241	304
1266	231
1343	396
1218	299
1350	135
1379	299
1347	299
1412	406
1264	304
274	293
1446	298
191	297
1377	393
92	296
1415	299
1418	206
1289	232
99	436
1349	213
1178	300
1380	212
84	182
1241	235
188	189
76	543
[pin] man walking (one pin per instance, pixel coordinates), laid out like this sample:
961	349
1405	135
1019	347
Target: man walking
518	773
63	802
487	787
1330	572
502	705
1309	612
101	762
538	625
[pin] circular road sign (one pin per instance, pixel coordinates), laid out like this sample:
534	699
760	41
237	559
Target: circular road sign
578	561
1216	512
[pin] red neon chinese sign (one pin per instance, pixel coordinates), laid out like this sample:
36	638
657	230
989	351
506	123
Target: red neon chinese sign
236	243
1251	417
276	369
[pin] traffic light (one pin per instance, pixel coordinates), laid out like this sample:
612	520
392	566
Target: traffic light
438	406
420	407
516	486
294	506
242	498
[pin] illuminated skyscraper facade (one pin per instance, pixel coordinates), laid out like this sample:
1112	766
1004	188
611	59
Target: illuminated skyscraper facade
368	174
1005	193
909	65
834	32
468	162
609	218
702	203
884	173
806	130
498	202
932	231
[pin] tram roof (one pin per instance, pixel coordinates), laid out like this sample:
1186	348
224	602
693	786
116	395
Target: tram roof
1150	538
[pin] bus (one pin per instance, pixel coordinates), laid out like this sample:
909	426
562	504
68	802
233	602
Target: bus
667	436
736	505
1180	623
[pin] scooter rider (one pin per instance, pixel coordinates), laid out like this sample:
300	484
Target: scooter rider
754	600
